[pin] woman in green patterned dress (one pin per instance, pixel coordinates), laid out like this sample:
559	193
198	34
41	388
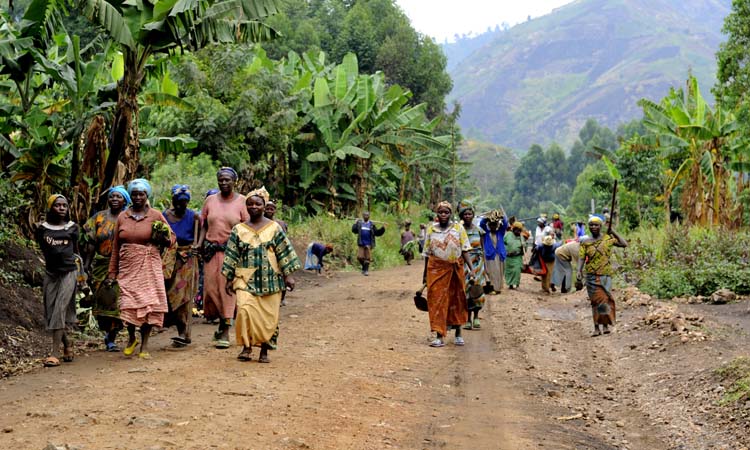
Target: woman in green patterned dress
258	266
474	290
98	235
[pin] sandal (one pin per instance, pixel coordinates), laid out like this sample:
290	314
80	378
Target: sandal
130	349
437	343
144	355
217	336
467	326
222	344
459	341
67	355
245	355
179	340
264	359
51	361
476	323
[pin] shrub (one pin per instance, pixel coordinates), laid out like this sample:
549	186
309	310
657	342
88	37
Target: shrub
672	262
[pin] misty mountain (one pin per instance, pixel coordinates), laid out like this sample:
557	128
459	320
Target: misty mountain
539	81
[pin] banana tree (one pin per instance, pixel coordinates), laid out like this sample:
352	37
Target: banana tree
358	118
142	29
702	142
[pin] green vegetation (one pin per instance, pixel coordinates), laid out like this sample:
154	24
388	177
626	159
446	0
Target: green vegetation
327	228
736	374
377	31
676	262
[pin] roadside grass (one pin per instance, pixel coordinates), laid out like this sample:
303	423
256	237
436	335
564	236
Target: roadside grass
735	375
670	261
337	231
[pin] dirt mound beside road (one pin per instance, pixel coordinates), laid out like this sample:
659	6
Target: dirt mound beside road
22	337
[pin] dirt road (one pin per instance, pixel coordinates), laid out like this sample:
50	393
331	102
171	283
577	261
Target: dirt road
353	371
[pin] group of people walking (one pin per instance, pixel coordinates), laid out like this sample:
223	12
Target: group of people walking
144	267
466	260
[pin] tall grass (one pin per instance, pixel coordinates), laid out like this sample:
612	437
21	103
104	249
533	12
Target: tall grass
337	231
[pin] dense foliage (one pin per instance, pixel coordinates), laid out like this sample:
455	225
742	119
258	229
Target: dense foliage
317	134
378	32
674	262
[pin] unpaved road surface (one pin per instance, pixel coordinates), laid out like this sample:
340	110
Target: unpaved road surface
354	371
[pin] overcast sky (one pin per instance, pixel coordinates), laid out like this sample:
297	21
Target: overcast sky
442	19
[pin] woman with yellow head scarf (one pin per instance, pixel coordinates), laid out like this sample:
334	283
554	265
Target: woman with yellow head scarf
595	270
446	250
58	237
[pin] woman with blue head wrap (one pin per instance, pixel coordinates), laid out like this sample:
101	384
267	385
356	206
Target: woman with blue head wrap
140	235
182	285
98	239
120	189
219	214
140	185
595	270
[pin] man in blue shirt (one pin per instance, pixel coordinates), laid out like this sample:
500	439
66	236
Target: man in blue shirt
366	232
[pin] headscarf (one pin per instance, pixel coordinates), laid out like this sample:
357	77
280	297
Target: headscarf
596	218
444	204
140	185
181	192
227	171
51	199
260	192
120	189
517	226
463	206
211	192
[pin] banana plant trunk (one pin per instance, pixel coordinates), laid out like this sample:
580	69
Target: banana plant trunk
363	169
123	142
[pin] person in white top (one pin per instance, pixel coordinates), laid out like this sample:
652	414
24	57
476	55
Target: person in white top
542	229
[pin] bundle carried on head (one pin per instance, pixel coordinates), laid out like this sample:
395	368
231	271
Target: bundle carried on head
495	216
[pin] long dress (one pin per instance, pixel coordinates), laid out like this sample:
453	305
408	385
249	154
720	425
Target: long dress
221	215
476	254
595	254
99	231
136	264
446	291
255	263
494	252
513	259
183	282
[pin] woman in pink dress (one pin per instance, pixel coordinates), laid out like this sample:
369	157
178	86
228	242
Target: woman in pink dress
220	213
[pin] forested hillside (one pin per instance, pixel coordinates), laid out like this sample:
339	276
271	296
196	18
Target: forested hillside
541	80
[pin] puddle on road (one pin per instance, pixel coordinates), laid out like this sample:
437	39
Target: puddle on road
566	314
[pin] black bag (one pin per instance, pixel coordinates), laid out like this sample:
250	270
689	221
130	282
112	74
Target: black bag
419	300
